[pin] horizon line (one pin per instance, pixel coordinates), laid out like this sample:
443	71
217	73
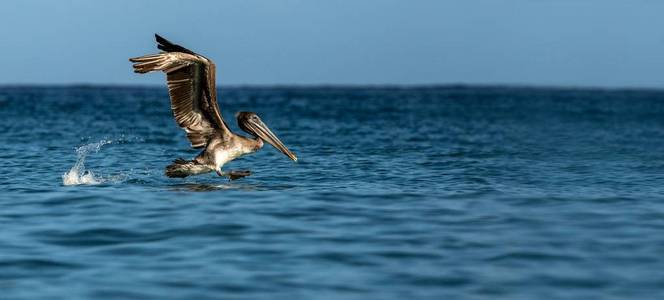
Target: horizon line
349	86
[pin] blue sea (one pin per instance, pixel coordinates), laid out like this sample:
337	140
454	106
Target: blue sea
441	192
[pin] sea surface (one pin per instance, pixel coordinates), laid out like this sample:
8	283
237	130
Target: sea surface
450	192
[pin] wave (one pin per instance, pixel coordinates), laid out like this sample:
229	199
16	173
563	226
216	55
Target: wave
78	174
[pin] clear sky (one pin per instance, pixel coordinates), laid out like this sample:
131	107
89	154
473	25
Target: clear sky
541	42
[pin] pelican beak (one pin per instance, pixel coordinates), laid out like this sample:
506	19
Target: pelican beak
266	134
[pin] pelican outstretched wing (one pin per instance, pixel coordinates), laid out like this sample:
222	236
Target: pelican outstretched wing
192	89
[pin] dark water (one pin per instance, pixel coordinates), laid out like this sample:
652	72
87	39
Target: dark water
475	193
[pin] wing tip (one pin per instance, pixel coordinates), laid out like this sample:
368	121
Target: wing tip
161	40
168	46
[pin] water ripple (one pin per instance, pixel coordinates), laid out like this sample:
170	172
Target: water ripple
400	193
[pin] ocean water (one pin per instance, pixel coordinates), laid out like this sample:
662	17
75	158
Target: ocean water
399	193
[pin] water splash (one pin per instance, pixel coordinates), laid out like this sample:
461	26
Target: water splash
77	174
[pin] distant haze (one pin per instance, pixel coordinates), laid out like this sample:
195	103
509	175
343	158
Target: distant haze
526	42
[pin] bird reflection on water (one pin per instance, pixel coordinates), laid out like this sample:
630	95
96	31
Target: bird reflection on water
208	187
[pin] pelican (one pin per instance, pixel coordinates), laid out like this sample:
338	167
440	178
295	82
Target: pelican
192	90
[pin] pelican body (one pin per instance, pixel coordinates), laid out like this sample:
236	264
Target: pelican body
193	95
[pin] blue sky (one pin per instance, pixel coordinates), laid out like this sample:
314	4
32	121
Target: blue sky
536	42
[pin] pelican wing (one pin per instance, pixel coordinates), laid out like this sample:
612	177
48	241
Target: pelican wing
192	89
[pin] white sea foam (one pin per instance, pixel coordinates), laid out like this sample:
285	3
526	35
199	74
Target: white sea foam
78	174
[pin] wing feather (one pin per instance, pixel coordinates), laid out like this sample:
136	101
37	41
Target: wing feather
192	89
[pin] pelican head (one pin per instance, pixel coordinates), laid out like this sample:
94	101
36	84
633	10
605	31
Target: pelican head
252	124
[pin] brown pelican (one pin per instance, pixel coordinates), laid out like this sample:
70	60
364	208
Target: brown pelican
192	89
